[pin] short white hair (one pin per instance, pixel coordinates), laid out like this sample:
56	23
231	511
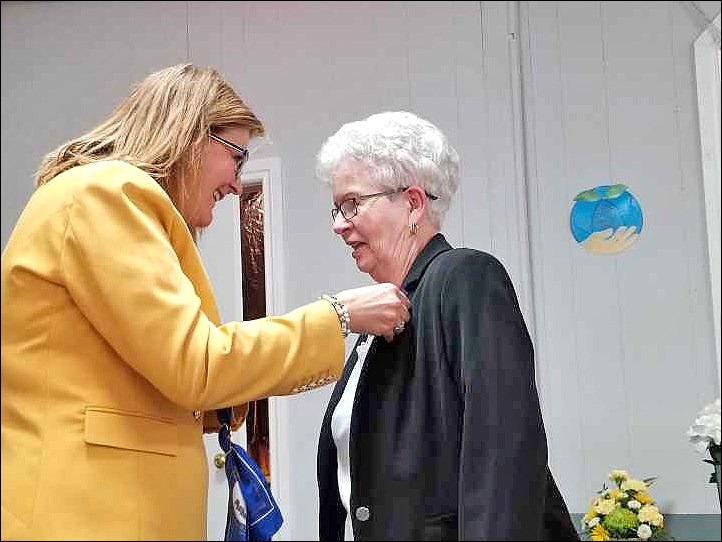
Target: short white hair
397	149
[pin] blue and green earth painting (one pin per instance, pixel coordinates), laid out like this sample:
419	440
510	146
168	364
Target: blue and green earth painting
606	219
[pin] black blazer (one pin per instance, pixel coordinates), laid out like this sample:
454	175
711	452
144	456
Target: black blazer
447	440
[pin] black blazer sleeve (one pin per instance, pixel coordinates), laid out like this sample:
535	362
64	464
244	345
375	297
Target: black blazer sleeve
503	454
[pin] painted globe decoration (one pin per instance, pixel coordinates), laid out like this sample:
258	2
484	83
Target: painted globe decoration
606	219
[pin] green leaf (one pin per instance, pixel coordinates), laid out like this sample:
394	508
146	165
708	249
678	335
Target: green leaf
615	190
587	195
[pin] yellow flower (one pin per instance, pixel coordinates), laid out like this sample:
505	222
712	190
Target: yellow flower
615	493
644	497
618	475
634	485
600	533
605	506
650	514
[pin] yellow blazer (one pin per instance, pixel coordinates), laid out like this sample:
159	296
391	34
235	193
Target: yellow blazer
112	349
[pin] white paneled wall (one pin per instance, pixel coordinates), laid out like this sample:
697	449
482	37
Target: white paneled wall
625	342
542	100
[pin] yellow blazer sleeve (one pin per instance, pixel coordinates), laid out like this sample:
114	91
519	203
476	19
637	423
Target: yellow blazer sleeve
134	271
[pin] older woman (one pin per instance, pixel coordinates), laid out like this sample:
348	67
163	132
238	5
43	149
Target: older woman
437	435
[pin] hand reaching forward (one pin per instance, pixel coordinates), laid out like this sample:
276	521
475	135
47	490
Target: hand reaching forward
380	309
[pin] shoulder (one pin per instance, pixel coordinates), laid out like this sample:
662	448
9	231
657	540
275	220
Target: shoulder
106	176
94	198
464	275
464	264
106	185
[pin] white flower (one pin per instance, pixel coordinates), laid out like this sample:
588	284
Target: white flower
634	504
644	531
593	522
706	428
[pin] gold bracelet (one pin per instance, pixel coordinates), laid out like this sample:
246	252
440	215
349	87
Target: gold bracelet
341	312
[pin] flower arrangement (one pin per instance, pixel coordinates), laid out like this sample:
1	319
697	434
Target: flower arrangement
626	511
704	434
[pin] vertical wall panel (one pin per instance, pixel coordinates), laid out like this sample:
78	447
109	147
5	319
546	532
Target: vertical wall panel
658	318
471	201
504	208
587	163
433	85
687	135
560	377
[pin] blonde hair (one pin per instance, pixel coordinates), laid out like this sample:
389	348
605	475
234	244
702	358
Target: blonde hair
161	128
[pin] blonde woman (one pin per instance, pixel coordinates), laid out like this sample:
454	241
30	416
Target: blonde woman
112	348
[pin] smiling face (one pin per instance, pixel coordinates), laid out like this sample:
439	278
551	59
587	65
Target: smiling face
218	173
378	234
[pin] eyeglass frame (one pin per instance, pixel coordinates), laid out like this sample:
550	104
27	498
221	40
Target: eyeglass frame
240	159
336	209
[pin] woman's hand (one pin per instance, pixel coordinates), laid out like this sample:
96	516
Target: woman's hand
380	309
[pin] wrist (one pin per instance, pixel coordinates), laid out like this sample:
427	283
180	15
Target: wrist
341	311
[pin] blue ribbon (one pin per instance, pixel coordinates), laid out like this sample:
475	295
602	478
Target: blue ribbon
252	511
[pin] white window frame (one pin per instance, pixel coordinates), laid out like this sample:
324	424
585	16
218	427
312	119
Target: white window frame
707	64
267	172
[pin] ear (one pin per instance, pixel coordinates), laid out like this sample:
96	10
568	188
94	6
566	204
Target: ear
418	203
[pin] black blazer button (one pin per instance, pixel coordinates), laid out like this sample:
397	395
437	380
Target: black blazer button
362	513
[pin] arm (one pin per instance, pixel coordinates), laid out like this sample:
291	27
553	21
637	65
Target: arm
134	272
503	451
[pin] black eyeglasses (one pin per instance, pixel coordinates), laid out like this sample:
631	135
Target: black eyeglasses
241	156
349	207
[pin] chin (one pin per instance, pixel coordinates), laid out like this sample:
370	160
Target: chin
365	267
200	224
203	222
373	270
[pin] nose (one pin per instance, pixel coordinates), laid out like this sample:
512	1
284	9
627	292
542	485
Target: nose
340	224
